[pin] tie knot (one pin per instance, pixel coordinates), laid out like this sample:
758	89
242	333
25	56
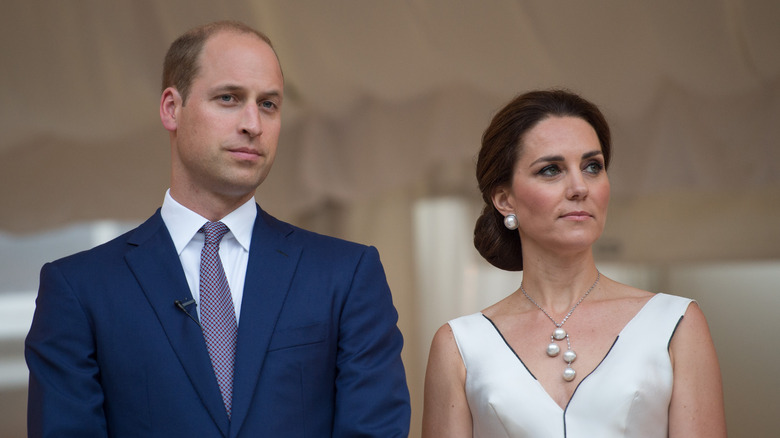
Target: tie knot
214	231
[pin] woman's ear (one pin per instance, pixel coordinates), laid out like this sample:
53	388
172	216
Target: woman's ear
170	103
503	201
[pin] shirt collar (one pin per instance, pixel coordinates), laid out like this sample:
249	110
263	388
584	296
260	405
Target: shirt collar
183	224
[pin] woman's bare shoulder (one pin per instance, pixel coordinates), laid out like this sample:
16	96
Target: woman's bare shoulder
620	291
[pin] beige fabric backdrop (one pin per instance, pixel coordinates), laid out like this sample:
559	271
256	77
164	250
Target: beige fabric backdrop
381	93
385	105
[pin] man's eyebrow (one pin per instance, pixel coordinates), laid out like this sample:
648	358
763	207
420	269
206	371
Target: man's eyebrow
237	88
272	93
226	88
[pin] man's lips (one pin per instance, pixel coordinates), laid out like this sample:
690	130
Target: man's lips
245	153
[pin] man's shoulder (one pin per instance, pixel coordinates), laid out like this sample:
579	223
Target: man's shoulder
114	248
308	238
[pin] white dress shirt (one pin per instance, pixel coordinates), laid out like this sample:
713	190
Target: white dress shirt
183	225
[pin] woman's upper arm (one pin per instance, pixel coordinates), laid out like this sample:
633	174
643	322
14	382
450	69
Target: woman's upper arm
445	410
696	408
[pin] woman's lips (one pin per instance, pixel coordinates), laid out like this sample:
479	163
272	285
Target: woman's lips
577	215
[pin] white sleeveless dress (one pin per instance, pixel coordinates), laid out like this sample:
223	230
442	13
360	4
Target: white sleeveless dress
627	395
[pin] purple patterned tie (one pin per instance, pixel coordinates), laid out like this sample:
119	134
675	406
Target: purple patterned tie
217	314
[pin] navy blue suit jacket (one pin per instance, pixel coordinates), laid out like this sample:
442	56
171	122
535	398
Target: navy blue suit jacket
318	349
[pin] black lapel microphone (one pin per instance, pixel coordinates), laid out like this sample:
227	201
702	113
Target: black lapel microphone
182	305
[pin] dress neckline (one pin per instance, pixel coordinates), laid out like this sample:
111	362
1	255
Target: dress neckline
539	385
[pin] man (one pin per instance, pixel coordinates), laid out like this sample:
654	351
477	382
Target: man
265	331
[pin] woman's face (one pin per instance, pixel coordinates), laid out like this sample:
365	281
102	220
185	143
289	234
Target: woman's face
560	189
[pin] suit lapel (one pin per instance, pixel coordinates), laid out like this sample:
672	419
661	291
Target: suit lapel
270	270
158	270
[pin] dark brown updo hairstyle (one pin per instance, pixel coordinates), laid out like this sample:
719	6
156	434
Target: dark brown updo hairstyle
502	142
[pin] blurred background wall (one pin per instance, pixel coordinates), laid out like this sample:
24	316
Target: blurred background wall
385	103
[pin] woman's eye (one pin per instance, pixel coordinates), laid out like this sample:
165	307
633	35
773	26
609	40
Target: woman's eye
594	167
550	170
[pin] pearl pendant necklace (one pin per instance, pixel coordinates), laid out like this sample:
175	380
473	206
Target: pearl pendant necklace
560	334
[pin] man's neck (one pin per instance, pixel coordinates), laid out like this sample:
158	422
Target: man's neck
212	207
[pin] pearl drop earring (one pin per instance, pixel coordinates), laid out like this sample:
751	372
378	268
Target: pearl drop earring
510	221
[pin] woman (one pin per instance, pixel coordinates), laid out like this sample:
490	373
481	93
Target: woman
571	353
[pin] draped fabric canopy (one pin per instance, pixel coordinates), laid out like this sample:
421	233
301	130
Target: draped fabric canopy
380	94
385	97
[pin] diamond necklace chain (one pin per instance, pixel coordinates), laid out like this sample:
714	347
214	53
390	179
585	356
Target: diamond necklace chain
559	333
598	276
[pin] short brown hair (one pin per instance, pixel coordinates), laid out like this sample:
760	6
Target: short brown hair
502	143
181	62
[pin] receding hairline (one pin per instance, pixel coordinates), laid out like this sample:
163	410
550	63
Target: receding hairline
209	30
232	31
217	28
196	38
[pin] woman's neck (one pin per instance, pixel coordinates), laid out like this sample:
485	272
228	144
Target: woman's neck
557	283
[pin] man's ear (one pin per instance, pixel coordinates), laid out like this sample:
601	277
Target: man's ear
503	201
170	103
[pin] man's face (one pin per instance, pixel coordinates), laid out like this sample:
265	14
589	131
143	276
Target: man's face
225	135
